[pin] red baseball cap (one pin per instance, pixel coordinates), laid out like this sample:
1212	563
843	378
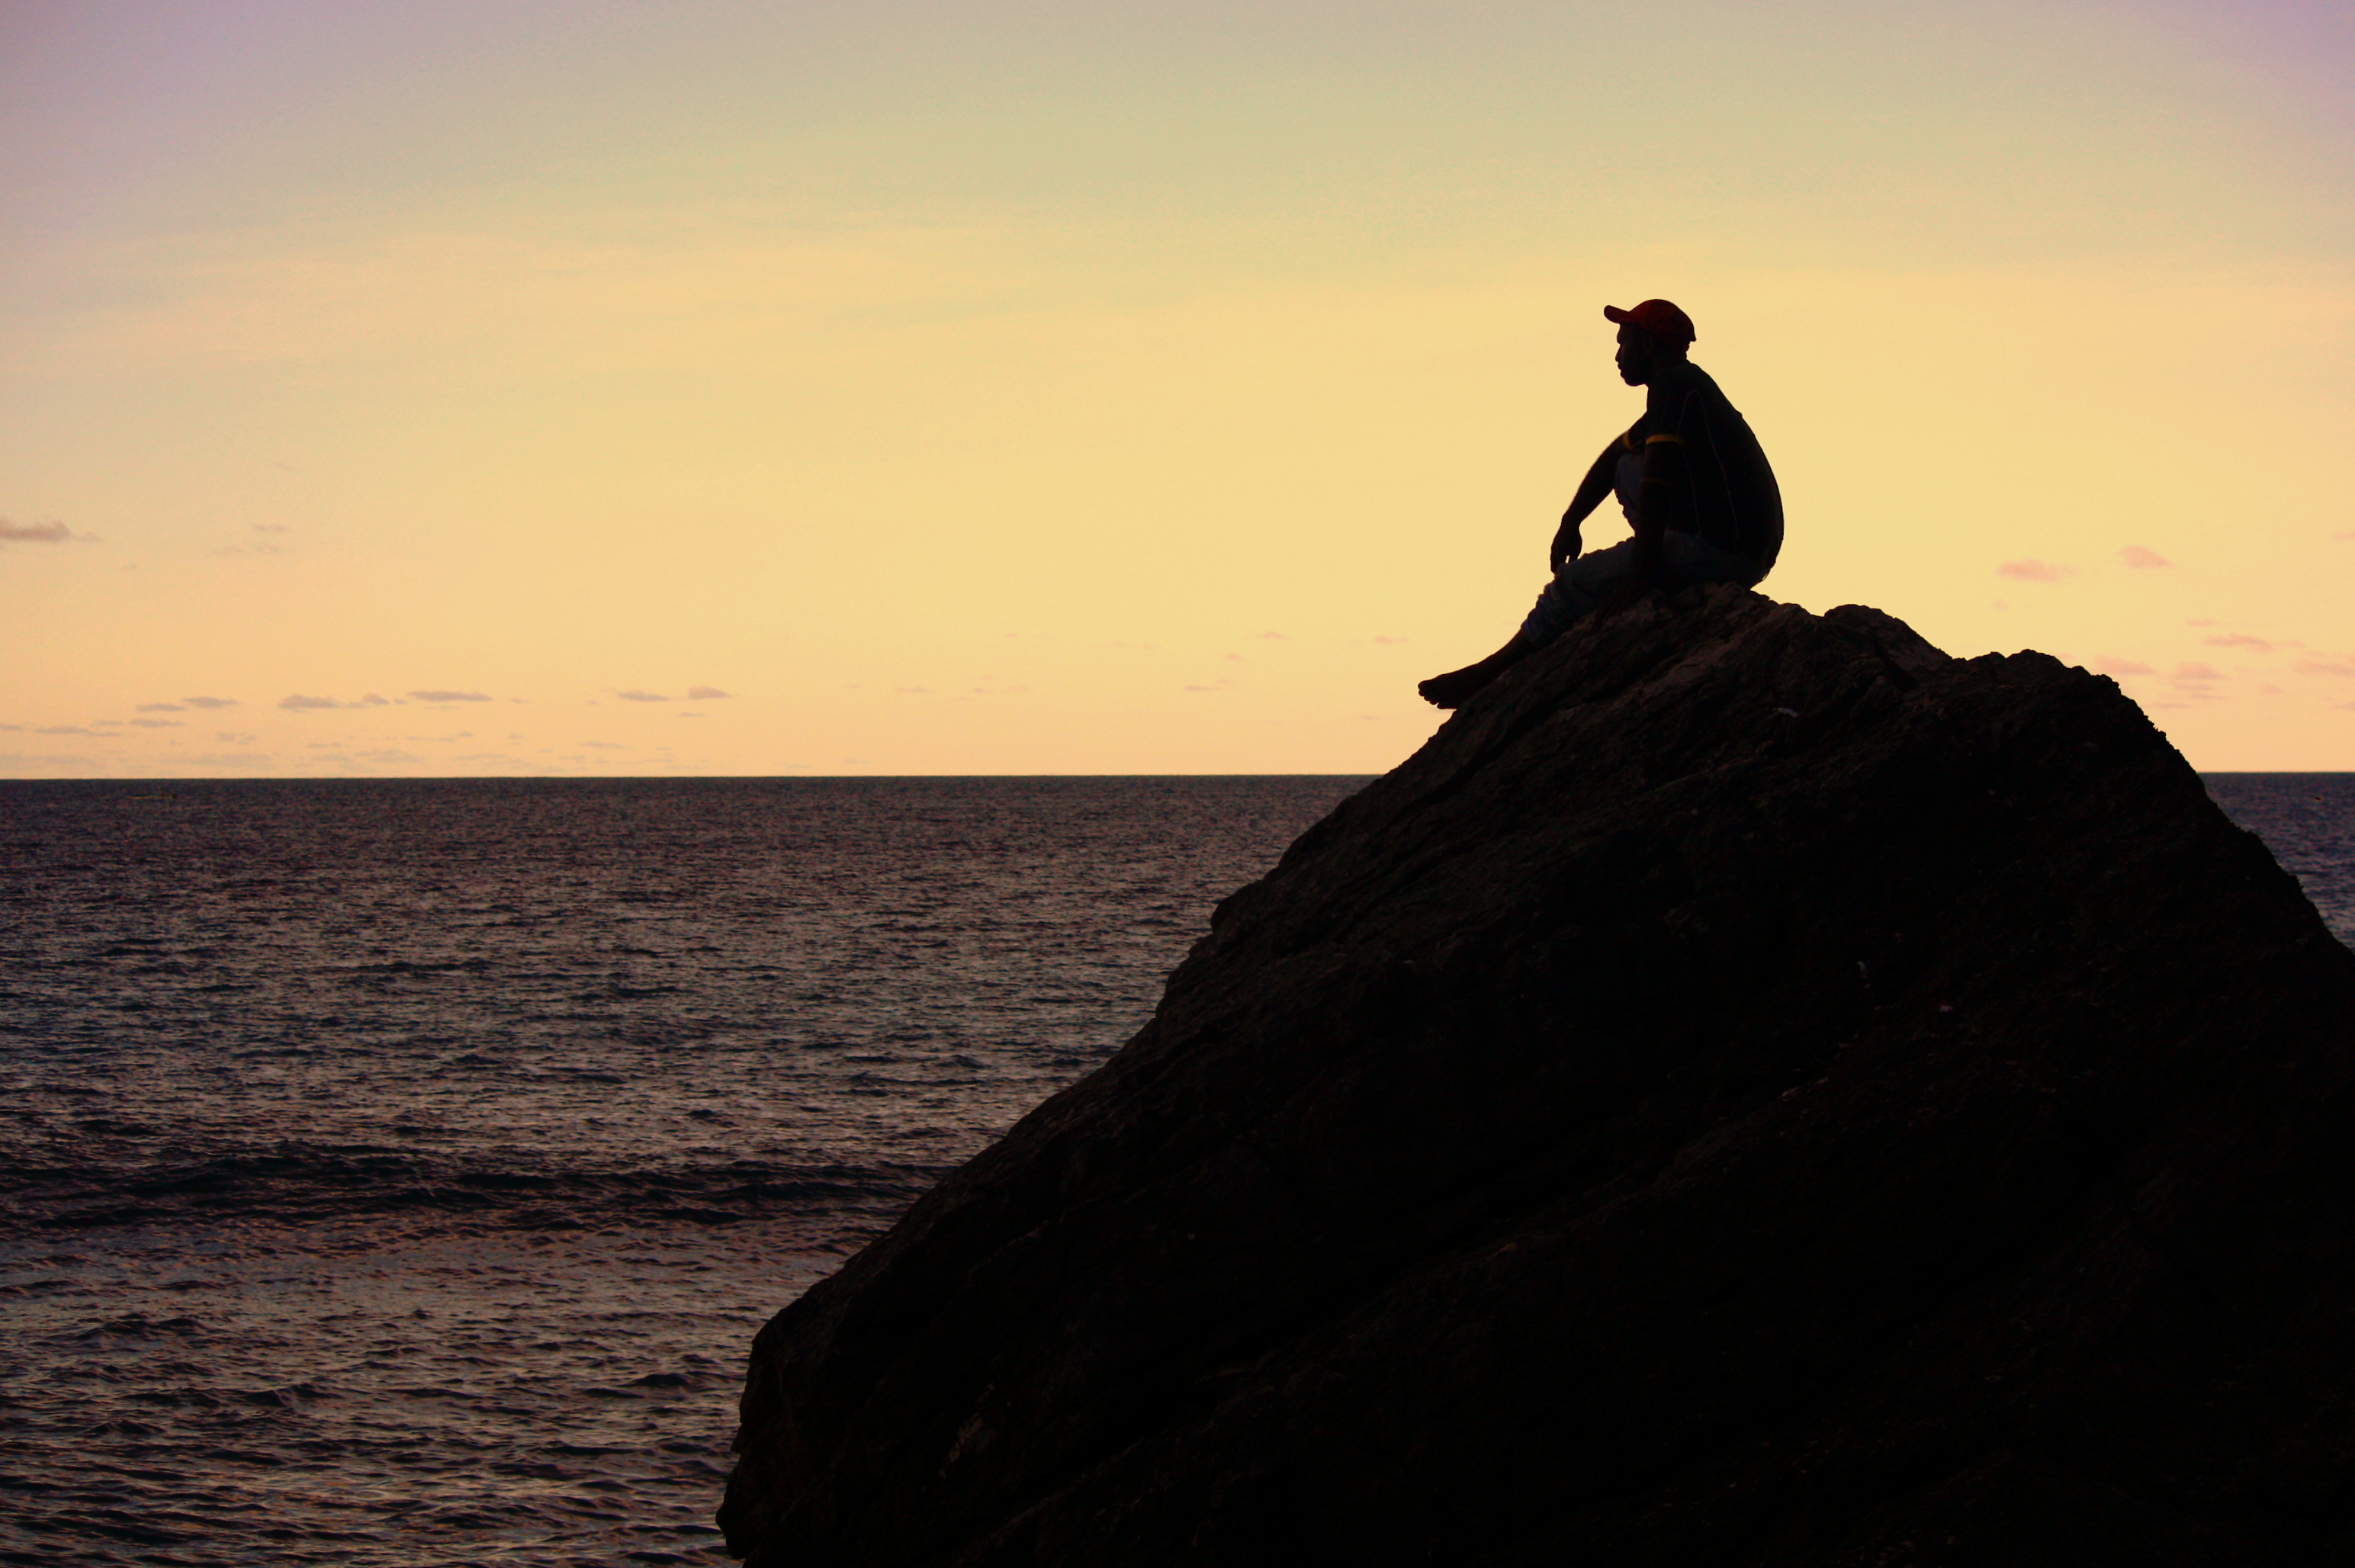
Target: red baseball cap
1658	317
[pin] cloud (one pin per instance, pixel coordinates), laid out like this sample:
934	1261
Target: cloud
296	702
605	745
1274	637
2034	571
690	716
2320	667
2135	555
913	690
210	702
157	724
2240	640
2344	533
159	708
272	529
2189	671
34	533
231	551
373	701
642	697
704	694
65	729
440	697
1382	639
2122	666
234	738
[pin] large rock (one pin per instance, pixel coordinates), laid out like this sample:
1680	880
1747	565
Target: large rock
1750	1090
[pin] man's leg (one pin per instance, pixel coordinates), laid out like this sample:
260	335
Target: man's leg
1576	589
1687	559
1449	690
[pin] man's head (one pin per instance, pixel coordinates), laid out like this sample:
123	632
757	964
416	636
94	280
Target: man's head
1652	333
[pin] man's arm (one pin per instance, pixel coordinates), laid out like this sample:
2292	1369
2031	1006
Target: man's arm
1590	492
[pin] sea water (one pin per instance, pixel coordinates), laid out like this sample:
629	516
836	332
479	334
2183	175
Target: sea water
396	1172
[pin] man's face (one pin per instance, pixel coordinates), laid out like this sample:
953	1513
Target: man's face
1634	354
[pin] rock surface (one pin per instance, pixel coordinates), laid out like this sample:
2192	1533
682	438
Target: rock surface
1750	1090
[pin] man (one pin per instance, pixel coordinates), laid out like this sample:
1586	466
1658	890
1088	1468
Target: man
1692	480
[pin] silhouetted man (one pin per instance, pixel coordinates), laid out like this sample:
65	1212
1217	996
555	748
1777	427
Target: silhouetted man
1690	476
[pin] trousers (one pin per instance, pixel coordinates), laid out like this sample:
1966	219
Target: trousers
1580	586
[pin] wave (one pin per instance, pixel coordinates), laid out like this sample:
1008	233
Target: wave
298	1184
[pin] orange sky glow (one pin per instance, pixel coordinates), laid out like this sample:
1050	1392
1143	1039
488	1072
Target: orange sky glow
736	388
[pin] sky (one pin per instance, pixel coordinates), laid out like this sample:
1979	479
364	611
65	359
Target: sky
512	387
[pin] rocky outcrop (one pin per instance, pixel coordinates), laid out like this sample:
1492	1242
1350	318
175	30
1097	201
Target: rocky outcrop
1750	1090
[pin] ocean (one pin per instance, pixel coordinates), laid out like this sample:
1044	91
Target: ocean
394	1172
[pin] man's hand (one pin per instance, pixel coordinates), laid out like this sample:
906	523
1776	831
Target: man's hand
1566	542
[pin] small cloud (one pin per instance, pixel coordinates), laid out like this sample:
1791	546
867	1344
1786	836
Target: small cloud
16	727
642	697
2321	667
270	529
234	738
389	756
2122	666
2034	571
446	697
65	729
2270	690
604	746
690	716
34	533
2240	640
1274	637
373	701
2189	671
231	551
1382	639
2135	555
1234	659
296	702
157	724
209	703
1218	687
159	708
704	694
2344	533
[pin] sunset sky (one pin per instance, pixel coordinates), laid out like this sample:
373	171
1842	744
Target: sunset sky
728	388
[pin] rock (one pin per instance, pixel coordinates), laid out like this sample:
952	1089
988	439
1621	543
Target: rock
1750	1090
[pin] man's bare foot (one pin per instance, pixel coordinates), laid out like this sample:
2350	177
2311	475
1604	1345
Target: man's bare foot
1449	690
1453	689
